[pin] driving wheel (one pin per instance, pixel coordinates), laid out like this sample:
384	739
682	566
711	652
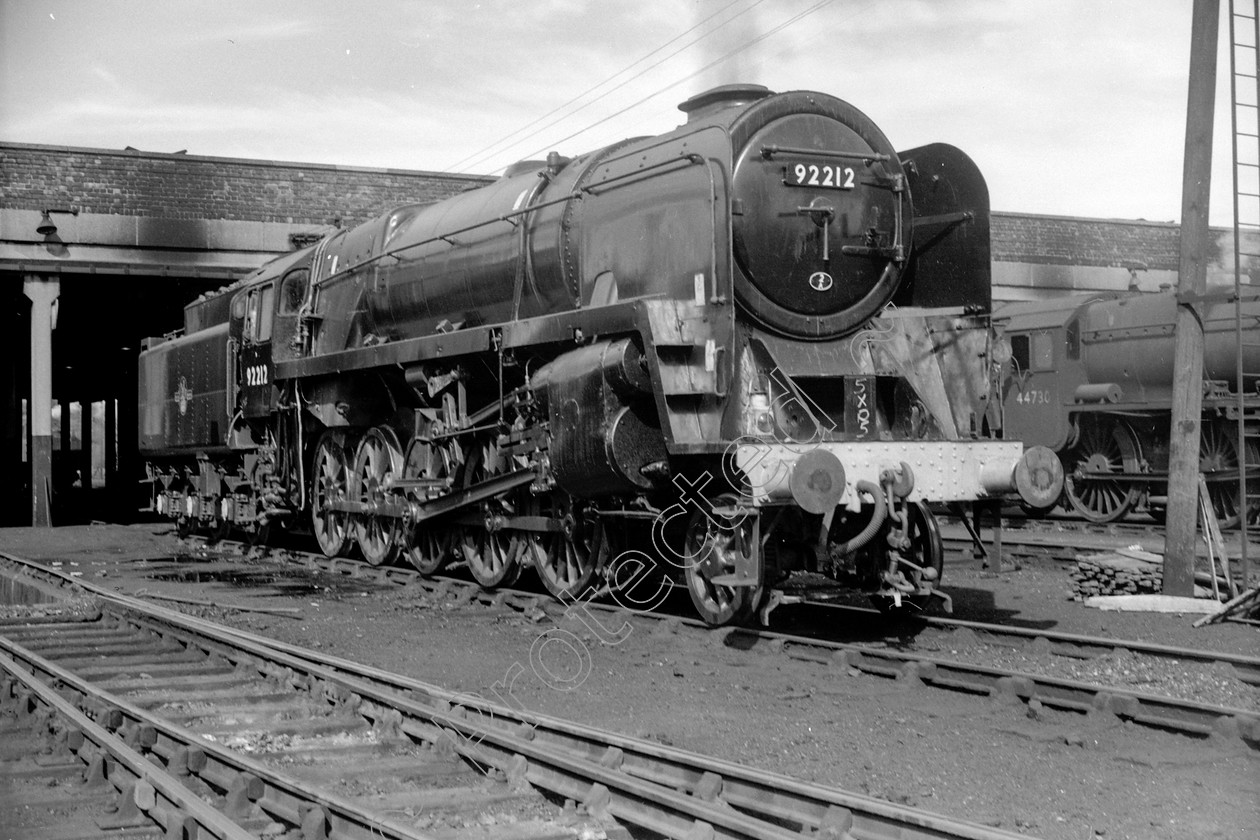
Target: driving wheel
493	556
378	459
569	560
432	545
493	552
1104	446
1219	463
329	476
431	548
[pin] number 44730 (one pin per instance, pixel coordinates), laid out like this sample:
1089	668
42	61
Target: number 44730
1033	397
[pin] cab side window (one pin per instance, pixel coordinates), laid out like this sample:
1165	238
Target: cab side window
1033	351
251	317
1020	352
1042	351
1073	339
266	311
259	313
293	291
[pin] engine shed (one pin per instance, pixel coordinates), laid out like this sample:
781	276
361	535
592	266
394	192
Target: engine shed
100	249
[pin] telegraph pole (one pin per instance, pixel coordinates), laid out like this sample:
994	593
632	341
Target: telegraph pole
1187	400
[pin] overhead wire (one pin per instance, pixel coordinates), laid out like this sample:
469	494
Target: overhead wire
494	148
794	19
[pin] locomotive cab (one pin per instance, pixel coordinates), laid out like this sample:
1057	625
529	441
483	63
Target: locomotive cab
250	339
1043	370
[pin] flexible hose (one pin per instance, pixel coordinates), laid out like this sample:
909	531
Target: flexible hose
877	519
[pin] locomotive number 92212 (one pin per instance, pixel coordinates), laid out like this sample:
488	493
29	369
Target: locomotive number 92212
256	375
833	176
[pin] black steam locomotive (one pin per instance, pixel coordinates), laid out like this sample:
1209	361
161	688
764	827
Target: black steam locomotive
753	346
1092	378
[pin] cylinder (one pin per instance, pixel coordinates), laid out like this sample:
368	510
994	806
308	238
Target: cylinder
603	426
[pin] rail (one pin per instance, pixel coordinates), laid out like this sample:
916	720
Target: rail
638	783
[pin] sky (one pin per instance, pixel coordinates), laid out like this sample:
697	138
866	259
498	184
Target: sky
1069	107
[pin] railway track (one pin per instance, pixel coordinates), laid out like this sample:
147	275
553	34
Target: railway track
222	723
1076	646
1143	708
1058	538
98	781
1182	715
203	730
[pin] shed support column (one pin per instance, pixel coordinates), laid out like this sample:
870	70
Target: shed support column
128	421
66	465
113	491
43	294
86	418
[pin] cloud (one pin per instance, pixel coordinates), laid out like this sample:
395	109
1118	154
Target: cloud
109	79
253	31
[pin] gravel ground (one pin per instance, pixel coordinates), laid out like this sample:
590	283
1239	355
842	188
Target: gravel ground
1040	772
1215	684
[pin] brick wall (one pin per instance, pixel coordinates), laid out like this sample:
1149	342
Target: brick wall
135	183
1066	240
1046	256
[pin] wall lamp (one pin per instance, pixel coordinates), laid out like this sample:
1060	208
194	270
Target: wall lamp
46	226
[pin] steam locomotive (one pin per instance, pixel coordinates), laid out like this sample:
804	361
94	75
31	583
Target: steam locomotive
751	347
1091	378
